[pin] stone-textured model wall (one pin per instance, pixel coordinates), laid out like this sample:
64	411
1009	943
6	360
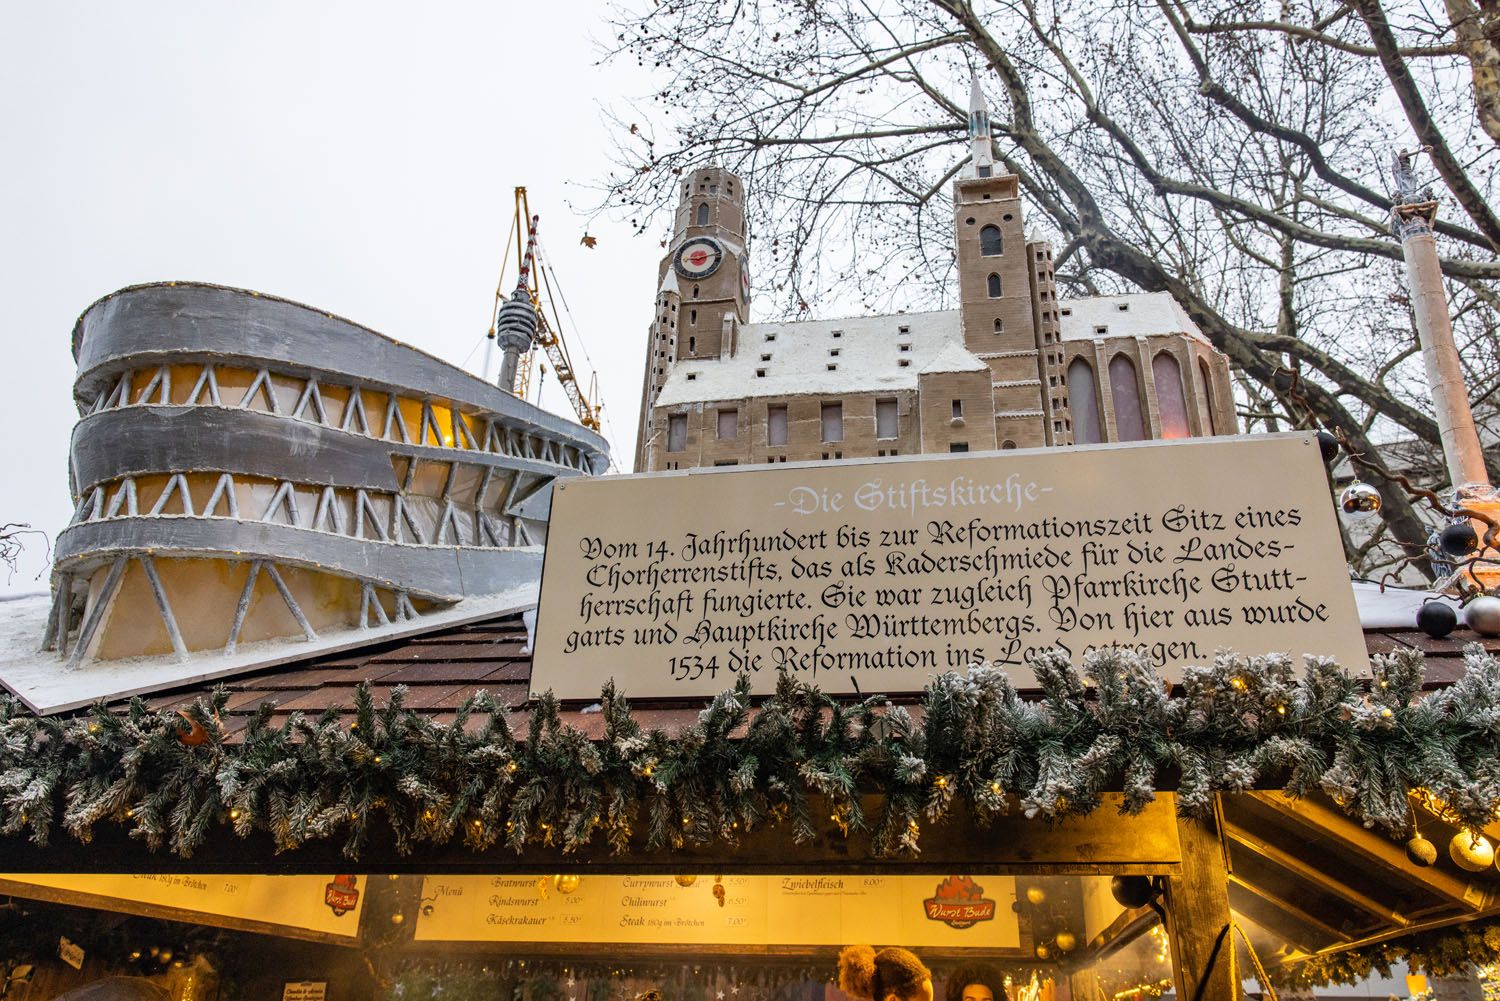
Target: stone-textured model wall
247	468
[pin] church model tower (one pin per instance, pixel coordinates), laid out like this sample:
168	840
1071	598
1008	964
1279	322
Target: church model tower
1012	367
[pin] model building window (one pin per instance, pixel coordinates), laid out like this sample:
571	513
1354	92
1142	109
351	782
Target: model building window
692	345
1125	394
1171	401
999	325
958	409
1085	402
703	214
1205	397
989	241
776	425
958	446
994	285
729	423
885	419
692	316
695	291
677	433
833	422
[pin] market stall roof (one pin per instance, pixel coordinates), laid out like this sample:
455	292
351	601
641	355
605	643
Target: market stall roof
441	669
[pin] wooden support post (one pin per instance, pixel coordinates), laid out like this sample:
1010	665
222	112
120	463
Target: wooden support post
1197	903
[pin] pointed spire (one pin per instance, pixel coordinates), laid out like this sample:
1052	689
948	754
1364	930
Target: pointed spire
981	159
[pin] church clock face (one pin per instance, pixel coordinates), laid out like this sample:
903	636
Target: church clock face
698	257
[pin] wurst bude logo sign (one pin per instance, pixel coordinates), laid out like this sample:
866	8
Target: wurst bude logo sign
959	902
873	576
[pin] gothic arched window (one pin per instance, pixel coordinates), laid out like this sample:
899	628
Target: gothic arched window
1206	397
1171	401
994	285
703	214
990	244
1086	424
1125	393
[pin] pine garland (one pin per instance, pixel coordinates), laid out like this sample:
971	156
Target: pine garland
1242	723
1442	953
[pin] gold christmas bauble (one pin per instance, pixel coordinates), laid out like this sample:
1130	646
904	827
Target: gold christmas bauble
566	882
1042	952
1421	851
1035	895
1066	941
685	880
1472	852
398	918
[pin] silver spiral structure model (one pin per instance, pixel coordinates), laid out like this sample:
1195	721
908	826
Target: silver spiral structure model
249	469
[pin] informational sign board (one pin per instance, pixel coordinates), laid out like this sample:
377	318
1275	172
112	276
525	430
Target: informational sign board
932	911
876	575
304	990
318	907
70	952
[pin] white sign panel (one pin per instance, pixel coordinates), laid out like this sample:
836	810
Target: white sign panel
724	910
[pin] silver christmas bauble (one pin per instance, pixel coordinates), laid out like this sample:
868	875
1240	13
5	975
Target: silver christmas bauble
1483	615
1360	500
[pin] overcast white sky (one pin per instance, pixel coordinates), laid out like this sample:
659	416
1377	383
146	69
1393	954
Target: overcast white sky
358	157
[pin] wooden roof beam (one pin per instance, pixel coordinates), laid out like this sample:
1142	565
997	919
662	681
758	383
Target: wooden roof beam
1374	848
1290	909
1315	876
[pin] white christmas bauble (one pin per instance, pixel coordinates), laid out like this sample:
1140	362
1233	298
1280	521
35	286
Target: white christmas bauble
1359	500
1483	615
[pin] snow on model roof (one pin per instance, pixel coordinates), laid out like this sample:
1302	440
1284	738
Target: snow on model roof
868	358
869	355
1140	314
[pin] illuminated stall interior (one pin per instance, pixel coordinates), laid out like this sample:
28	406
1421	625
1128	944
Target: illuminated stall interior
699	937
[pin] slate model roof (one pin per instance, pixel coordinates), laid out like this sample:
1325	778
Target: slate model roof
790	359
1138	315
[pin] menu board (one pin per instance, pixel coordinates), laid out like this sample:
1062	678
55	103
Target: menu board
874	576
952	911
320	906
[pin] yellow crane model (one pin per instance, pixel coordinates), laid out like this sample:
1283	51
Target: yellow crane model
521	335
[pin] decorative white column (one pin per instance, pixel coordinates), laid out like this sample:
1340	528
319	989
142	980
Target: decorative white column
1413	213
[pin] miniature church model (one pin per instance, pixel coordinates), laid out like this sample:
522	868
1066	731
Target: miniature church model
1012	367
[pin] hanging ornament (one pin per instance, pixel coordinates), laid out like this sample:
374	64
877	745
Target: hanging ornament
1042	952
1360	501
1458	539
685	880
1035	895
1483	615
1436	619
1132	891
1471	852
566	882
398	918
1065	941
1329	446
1420	851
719	890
